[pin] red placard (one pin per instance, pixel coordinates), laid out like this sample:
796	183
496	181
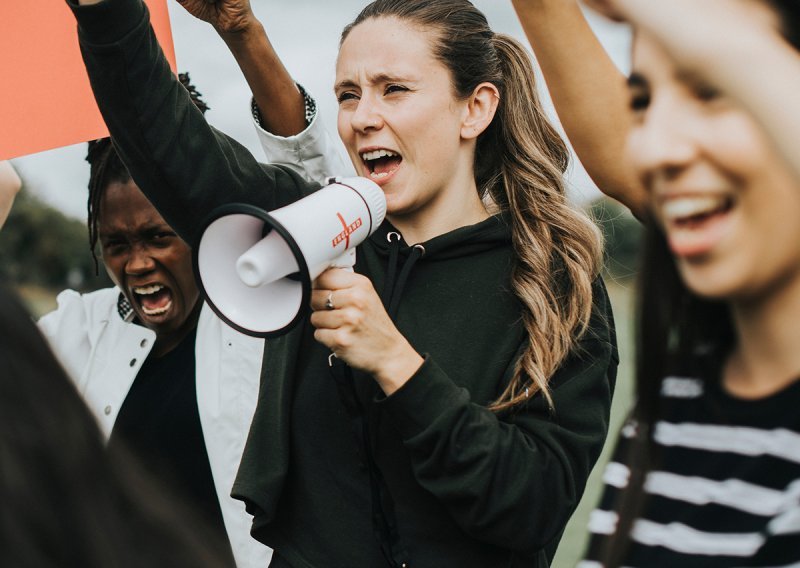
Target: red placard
45	98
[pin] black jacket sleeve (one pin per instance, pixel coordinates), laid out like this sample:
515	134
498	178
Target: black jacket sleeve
185	167
512	479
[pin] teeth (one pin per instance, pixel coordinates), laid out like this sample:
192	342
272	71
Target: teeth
374	155
156	311
684	207
378	175
147	290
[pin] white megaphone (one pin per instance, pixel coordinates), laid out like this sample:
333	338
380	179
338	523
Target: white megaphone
255	267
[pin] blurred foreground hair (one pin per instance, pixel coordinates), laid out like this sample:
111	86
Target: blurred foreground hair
65	500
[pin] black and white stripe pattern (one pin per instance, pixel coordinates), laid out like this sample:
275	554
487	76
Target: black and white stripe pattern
727	489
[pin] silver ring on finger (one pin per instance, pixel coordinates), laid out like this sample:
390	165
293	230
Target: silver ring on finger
329	302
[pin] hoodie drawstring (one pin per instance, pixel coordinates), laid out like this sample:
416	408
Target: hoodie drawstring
391	267
417	252
394	285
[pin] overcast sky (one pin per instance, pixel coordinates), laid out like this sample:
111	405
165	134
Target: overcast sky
306	34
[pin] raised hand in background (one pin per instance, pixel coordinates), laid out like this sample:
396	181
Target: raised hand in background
279	100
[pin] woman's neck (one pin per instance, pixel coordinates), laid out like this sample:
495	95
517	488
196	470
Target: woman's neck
453	208
767	356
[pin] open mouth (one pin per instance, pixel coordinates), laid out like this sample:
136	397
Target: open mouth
693	211
381	163
696	224
154	299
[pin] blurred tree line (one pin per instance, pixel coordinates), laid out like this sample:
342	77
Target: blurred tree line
45	249
42	247
623	235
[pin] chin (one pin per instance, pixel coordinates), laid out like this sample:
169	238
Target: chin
713	282
159	325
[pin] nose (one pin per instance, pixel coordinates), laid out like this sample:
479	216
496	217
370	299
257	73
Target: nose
366	116
664	143
140	261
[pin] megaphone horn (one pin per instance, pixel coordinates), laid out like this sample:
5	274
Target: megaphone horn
255	267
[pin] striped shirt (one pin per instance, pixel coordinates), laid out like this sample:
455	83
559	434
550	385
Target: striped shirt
726	491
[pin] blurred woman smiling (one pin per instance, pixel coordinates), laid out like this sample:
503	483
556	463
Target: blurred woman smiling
708	466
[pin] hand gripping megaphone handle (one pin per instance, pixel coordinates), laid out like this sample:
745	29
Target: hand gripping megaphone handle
346	261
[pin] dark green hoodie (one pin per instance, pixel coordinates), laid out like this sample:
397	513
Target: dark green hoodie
468	487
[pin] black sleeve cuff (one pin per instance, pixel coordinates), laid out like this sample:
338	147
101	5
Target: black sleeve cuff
426	397
107	21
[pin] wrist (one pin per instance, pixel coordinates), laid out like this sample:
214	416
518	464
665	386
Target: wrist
250	32
395	370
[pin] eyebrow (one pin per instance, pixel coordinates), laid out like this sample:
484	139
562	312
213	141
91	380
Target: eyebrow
147	230
690	78
110	236
376	79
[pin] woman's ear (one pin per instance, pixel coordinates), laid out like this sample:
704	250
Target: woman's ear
480	110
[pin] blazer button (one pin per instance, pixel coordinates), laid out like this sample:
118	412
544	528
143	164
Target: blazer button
107	410
143	343
133	362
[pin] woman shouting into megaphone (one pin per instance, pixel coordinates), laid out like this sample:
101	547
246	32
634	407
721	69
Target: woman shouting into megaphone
468	393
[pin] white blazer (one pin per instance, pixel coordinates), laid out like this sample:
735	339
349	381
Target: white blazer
103	354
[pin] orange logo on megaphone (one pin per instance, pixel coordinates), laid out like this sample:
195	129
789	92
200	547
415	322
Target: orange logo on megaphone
348	230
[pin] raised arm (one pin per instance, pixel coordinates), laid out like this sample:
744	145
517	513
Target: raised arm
10	185
185	167
589	93
742	55
286	120
279	100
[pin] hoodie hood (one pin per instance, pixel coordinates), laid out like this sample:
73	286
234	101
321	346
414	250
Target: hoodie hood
399	258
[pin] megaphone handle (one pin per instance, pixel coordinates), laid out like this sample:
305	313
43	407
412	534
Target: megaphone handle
346	260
